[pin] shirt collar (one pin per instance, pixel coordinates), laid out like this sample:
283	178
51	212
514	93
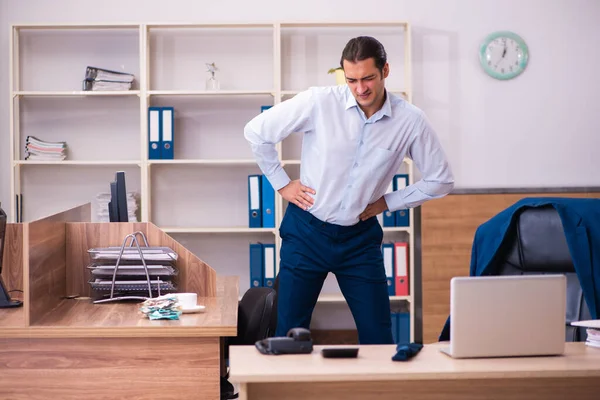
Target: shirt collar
386	109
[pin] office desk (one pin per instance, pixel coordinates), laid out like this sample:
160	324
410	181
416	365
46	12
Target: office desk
430	375
68	349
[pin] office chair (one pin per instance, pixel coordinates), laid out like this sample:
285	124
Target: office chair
255	322
537	245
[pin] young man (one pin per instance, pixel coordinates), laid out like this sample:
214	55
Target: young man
355	139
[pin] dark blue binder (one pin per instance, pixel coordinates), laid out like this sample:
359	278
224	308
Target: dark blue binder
404	327
268	203
387	250
264	108
254	202
395	327
389	218
269	265
167	132
256	264
402	216
154	129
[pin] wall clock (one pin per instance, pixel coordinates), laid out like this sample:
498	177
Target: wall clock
503	55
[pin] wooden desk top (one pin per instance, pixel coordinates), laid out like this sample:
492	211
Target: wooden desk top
374	363
82	318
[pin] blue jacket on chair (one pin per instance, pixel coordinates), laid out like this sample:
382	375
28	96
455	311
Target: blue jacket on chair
581	223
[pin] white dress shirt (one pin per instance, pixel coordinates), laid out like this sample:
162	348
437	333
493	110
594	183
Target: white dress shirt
347	159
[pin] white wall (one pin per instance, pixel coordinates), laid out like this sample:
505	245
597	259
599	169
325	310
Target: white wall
536	130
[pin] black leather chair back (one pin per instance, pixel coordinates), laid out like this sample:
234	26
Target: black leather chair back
255	312
538	246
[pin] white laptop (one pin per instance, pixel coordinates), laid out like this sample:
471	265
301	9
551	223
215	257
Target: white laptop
504	316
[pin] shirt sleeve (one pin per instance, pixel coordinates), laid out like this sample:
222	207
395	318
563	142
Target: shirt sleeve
271	127
437	179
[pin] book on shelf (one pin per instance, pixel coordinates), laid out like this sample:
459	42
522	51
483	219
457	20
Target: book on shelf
40	150
98	79
102	200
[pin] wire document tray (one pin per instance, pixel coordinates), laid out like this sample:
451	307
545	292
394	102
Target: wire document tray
140	270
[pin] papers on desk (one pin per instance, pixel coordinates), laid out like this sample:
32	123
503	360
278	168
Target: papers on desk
593	331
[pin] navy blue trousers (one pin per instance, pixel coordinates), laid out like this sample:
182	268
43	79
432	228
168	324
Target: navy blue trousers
311	249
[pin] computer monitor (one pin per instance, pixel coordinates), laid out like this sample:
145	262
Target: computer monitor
117	206
5	300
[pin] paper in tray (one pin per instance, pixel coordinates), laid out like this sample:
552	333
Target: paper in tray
132	285
150	254
132	270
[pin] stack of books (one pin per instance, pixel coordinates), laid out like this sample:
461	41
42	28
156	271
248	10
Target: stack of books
39	150
104	79
102	200
593	331
593	337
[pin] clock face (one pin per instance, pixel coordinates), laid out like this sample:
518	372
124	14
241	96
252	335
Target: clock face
503	55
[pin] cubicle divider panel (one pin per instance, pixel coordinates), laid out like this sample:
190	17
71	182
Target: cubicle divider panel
12	263
194	274
45	245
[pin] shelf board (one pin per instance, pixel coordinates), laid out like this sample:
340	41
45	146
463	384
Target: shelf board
205	162
217	230
76	93
239	25
339	298
343	24
77	26
397	229
210	92
78	162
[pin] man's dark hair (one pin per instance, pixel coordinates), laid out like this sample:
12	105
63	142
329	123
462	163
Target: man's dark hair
364	47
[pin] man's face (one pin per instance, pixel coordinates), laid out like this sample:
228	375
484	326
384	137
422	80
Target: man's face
367	83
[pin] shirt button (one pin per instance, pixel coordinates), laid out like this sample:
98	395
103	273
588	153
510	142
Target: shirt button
361	143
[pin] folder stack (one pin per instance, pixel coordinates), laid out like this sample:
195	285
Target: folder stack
396	263
261	202
104	79
39	150
102	200
161	122
399	217
263	269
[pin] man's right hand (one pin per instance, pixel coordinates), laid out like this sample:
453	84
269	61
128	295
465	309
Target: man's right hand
295	192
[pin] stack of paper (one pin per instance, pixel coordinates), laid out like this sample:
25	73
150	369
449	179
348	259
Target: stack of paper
593	337
39	150
104	79
102	200
593	331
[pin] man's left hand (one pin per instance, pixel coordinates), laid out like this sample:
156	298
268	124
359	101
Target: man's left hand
374	209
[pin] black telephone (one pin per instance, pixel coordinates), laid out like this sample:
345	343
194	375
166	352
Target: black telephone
297	341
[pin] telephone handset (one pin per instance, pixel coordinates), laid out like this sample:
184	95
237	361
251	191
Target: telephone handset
297	341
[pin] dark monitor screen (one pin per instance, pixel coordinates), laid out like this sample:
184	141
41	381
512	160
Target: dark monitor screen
117	207
5	300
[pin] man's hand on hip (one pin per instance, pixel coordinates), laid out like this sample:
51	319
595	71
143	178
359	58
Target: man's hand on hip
374	209
295	192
